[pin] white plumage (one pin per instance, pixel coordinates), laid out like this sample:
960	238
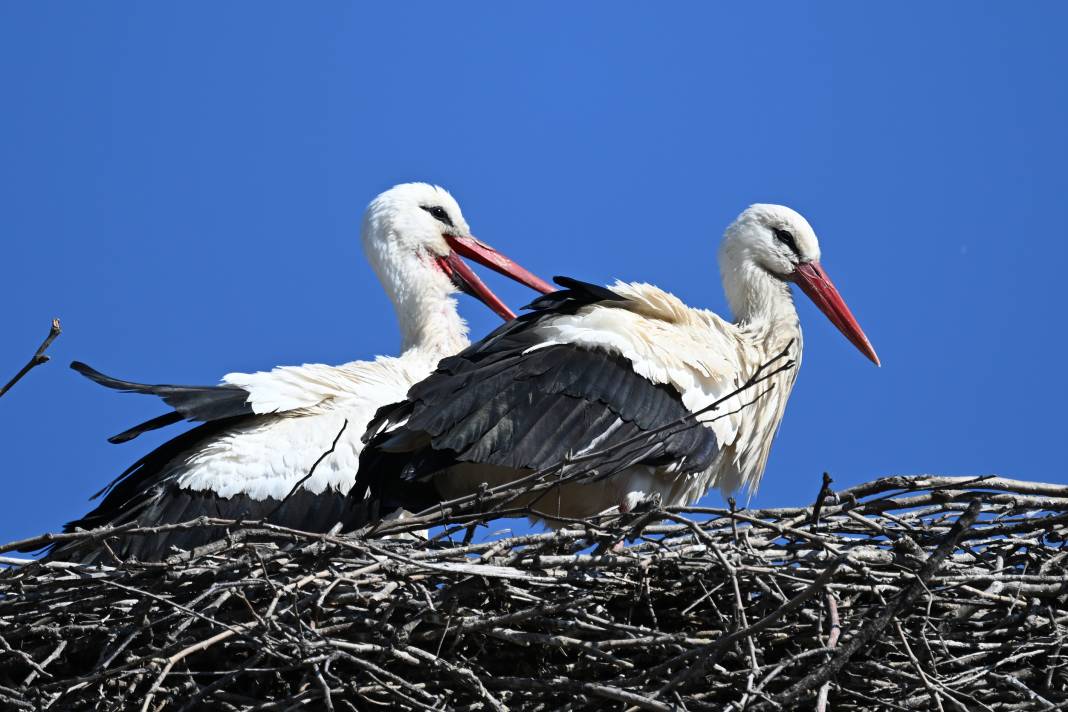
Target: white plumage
264	431
615	366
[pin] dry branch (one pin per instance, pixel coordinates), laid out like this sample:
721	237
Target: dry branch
38	357
904	593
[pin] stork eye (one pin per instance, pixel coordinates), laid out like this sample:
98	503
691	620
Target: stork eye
786	238
438	213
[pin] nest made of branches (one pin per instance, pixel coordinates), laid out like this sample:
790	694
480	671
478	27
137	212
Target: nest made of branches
905	593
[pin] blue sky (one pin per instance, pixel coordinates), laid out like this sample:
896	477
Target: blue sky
182	185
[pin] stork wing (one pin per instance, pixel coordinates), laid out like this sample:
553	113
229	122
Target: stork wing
518	401
249	465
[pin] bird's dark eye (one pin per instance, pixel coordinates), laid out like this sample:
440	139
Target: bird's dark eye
438	213
786	238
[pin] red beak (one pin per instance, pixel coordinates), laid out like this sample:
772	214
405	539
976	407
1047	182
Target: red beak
474	249
814	282
468	281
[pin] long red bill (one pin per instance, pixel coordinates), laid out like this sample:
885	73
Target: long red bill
814	282
474	249
466	279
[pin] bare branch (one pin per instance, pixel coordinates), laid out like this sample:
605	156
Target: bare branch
39	357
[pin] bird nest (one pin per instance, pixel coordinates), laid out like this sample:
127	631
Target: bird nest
904	593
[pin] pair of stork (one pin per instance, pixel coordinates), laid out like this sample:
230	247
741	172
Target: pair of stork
592	375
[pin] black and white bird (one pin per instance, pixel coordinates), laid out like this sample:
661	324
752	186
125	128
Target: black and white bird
598	376
261	433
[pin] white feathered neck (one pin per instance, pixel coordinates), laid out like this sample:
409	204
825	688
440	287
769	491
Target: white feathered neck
401	241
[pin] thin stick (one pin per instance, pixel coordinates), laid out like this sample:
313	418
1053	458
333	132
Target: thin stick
825	491
38	358
836	631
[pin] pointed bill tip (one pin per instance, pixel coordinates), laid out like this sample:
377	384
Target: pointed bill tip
815	283
478	251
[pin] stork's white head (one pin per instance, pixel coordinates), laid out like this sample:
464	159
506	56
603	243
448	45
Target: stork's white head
776	241
413	235
773	237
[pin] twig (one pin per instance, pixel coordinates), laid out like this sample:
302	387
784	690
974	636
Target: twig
39	357
832	620
825	491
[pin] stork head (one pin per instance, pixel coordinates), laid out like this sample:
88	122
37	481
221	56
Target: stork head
781	243
414	236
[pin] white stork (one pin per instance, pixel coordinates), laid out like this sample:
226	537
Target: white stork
263	433
593	369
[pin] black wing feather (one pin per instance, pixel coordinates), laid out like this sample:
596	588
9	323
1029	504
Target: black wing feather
169	504
536	421
197	403
156	423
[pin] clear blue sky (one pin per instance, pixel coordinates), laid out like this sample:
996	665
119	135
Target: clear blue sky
182	184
